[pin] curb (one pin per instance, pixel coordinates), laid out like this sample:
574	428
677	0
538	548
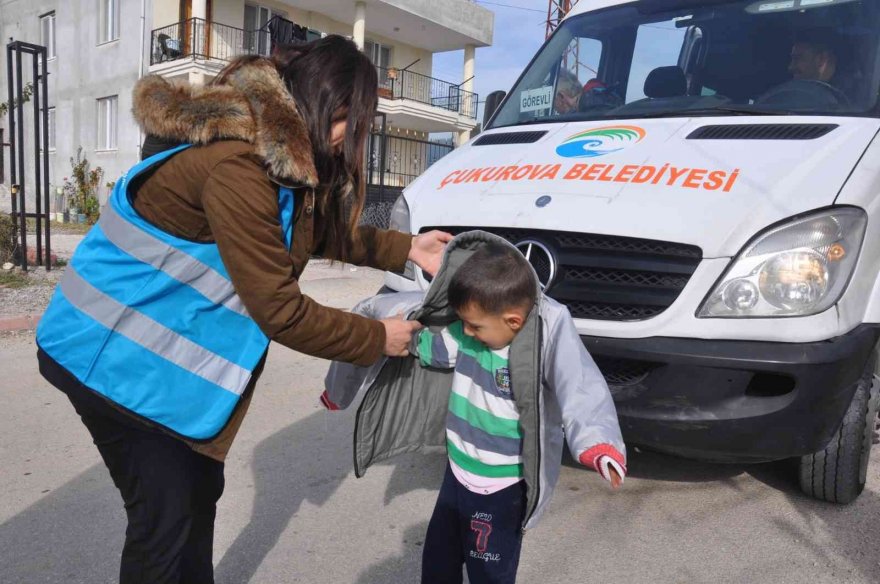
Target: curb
20	323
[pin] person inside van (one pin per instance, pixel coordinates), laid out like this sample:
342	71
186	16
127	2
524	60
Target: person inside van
568	92
819	80
815	57
812	59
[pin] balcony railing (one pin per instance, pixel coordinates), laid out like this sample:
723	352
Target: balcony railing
403	84
196	38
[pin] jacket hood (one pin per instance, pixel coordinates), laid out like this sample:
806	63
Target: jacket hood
249	102
435	308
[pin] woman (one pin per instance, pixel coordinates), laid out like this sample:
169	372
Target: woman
159	329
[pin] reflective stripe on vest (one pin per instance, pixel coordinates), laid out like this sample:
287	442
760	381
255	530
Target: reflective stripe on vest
152	321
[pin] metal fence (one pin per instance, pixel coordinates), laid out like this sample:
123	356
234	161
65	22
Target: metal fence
393	162
403	84
396	161
23	189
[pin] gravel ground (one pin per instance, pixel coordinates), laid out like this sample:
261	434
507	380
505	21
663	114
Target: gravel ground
31	299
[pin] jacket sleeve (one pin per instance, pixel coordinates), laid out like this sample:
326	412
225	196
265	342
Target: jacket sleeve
241	206
588	413
382	249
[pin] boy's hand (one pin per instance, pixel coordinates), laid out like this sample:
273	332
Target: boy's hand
427	250
607	461
398	335
614	478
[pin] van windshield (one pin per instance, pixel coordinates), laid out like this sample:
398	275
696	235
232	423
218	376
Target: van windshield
677	58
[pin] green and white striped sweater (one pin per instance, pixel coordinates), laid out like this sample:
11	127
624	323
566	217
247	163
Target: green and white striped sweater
483	434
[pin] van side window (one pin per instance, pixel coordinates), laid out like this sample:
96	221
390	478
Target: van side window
657	46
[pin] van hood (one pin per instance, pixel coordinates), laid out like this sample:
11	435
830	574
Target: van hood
677	179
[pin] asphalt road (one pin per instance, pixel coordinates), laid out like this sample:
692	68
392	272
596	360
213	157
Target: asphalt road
293	511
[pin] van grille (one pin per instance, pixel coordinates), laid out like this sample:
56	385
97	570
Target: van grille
620	373
604	277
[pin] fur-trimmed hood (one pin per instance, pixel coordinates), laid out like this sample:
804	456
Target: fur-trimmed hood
249	103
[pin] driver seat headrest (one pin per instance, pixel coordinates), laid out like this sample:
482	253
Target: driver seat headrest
666	82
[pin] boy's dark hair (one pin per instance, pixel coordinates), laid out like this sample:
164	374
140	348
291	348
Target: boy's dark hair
495	278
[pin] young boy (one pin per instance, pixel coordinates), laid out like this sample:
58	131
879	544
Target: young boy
521	378
480	510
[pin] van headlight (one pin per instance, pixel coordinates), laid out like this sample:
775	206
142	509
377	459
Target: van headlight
400	221
799	268
400	215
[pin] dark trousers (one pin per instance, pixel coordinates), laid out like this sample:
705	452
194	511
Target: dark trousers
170	492
483	532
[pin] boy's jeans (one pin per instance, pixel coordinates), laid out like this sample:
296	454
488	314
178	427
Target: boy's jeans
484	532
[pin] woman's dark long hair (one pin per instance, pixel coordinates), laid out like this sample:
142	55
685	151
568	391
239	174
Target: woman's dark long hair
331	80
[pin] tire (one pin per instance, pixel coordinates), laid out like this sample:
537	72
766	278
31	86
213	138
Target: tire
837	473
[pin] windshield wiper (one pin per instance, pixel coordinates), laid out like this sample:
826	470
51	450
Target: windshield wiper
682	113
715	111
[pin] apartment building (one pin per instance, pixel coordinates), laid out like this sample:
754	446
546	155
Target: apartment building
99	48
96	51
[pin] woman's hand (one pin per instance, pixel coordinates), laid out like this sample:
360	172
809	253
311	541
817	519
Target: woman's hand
398	335
427	250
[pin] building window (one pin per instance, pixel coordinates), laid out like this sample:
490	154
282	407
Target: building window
47	34
378	53
257	36
109	24
107	121
50	125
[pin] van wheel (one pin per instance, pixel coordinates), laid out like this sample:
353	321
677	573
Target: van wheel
837	473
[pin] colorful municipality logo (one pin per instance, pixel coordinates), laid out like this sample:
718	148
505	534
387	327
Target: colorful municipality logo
600	141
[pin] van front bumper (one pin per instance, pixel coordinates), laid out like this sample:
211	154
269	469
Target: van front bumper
732	401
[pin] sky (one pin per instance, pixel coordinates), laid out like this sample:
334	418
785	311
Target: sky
519	33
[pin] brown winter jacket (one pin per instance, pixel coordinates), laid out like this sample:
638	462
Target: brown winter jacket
249	138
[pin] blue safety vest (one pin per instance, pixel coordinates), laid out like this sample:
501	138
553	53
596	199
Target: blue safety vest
152	321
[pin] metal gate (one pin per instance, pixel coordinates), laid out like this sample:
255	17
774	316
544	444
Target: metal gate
17	167
395	160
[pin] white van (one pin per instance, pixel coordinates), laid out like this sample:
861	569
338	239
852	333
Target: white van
699	181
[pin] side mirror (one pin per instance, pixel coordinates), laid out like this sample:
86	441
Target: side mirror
493	100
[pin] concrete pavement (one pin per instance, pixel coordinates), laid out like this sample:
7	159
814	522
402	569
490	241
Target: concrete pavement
293	511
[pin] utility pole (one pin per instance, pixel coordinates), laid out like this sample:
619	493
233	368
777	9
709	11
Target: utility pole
556	11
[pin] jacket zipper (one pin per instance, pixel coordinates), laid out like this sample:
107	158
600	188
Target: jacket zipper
539	387
357	421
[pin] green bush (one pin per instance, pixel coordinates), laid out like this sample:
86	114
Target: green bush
8	239
85	186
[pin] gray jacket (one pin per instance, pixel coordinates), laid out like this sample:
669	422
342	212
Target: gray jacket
558	387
